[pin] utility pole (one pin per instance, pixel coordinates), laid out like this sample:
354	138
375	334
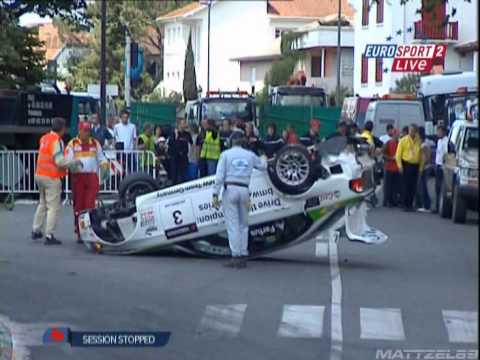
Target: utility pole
339	49
208	46
103	63
127	67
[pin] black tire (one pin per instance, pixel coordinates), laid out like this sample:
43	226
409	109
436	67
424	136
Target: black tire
459	211
445	203
292	171
134	185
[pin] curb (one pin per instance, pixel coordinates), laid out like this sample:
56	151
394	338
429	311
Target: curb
6	346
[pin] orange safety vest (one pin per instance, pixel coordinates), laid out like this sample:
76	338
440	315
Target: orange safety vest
45	163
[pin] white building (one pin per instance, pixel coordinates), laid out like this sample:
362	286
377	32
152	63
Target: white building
390	22
239	30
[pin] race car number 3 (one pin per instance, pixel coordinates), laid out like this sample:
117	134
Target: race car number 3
176	214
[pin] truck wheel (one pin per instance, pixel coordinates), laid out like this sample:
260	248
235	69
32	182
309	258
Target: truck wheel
134	185
459	213
445	203
292	170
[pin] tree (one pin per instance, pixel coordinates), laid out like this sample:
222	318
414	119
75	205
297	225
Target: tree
189	77
21	61
407	84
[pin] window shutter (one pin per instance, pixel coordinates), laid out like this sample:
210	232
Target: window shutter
364	78
378	69
365	12
380	4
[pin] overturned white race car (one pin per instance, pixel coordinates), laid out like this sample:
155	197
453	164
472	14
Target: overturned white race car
304	192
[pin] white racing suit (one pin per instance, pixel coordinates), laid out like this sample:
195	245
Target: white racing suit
234	170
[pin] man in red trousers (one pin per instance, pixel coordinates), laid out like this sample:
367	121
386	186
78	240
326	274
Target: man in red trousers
84	179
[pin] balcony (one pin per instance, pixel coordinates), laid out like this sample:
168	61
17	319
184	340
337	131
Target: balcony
433	31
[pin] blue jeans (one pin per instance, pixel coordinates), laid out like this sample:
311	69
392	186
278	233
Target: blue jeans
211	167
422	196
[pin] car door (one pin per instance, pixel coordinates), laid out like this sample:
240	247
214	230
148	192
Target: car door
450	160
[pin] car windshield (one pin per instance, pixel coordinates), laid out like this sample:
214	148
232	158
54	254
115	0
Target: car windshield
471	139
301	100
221	110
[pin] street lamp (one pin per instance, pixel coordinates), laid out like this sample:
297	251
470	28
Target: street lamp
339	31
209	4
103	62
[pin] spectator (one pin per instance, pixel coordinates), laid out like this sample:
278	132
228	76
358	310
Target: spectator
253	142
193	154
410	163
211	147
178	145
423	200
391	193
110	128
442	147
290	136
239	126
161	151
312	137
388	135
202	165
354	131
273	142
225	134
367	132
100	132
146	142
342	130
125	135
404	132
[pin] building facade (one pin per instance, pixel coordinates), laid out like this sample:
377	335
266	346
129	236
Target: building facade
453	23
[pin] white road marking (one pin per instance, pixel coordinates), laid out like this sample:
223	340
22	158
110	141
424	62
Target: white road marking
321	249
381	324
302	321
461	326
336	337
221	321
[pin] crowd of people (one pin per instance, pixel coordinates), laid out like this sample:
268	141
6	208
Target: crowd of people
187	152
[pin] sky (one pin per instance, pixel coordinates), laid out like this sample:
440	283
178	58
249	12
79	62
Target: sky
32	18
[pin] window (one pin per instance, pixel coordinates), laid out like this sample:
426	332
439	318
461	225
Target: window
316	66
365	12
378	69
380	4
364	75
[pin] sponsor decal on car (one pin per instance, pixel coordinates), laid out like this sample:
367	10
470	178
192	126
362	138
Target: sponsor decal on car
147	218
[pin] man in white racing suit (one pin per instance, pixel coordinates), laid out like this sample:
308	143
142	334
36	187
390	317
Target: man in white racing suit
234	171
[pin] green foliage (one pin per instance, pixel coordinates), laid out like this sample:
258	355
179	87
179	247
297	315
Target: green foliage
21	62
332	97
407	84
159	96
281	71
189	76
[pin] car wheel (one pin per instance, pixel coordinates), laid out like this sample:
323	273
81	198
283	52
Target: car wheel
459	212
445	203
291	171
134	185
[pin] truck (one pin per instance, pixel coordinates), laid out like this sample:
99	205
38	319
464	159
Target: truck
298	95
28	115
222	105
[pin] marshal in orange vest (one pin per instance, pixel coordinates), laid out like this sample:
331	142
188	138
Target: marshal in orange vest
46	163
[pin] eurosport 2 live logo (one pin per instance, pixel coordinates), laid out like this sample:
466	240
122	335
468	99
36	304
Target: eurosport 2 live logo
408	58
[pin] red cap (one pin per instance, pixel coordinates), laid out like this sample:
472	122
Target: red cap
84	125
314	123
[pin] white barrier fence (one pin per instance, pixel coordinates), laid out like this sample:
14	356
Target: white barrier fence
17	170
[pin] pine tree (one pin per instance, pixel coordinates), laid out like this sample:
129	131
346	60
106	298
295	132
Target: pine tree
189	77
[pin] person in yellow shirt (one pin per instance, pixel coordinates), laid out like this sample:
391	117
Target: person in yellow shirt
410	162
367	132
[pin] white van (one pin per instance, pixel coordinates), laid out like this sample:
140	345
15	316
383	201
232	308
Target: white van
399	113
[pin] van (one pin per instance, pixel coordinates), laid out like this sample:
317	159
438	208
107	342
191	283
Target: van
354	109
399	113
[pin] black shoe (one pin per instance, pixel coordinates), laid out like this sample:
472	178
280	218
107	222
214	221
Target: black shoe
36	235
51	240
232	263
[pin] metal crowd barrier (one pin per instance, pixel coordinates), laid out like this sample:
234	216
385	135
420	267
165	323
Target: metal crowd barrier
17	171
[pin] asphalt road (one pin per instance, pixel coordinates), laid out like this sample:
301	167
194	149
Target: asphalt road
418	291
